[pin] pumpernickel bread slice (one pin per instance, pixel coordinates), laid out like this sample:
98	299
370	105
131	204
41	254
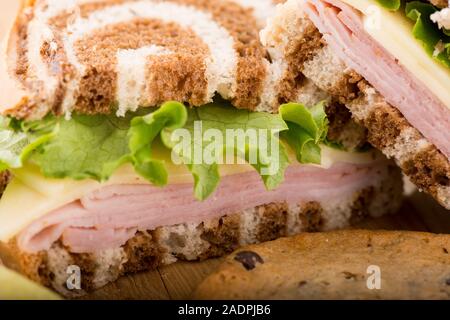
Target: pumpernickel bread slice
336	265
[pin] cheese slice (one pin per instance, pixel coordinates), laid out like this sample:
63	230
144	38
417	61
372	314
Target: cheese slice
30	195
393	30
13	286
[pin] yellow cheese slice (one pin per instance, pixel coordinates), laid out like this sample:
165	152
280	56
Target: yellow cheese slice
30	195
13	286
393	30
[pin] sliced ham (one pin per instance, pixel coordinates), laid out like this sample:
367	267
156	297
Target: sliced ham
110	216
343	28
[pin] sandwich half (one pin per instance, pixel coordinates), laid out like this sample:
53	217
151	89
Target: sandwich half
388	62
101	95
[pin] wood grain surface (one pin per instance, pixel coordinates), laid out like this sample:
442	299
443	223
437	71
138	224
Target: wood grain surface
178	281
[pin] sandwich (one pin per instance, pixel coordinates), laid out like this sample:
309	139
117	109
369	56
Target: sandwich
139	133
388	62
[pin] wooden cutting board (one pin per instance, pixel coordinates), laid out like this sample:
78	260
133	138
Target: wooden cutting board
178	281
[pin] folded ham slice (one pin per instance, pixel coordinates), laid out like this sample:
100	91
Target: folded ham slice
110	216
343	29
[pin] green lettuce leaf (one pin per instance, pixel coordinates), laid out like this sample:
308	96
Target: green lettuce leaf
93	147
144	130
203	152
393	5
427	32
16	146
308	128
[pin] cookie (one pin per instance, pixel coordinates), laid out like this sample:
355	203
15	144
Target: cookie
337	265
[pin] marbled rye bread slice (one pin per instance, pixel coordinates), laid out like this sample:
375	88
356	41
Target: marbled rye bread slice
97	56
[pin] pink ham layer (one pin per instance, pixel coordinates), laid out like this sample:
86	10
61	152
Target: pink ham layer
343	29
110	216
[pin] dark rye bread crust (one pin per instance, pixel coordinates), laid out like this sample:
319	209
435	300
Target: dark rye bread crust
387	128
335	265
217	237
